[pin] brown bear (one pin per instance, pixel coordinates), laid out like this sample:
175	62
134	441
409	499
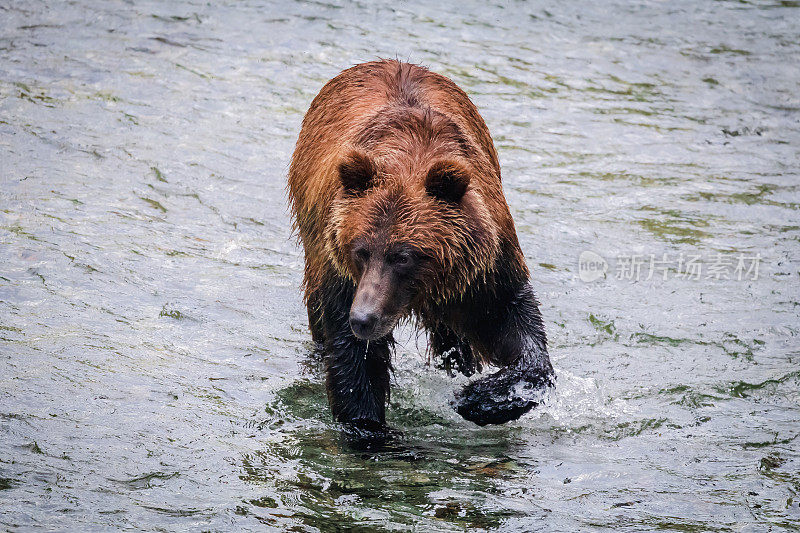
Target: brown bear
396	195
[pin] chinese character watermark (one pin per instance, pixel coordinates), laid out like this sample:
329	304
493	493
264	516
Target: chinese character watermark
645	267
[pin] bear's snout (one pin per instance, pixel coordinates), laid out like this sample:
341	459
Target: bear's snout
376	306
363	323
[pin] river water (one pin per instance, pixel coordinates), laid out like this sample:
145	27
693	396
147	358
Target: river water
155	365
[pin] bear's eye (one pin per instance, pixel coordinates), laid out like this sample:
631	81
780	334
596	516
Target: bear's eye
362	254
399	259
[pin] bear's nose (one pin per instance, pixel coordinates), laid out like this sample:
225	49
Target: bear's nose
363	323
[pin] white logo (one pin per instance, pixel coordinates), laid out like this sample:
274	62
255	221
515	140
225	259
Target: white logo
591	266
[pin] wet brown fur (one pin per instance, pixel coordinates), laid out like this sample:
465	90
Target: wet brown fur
406	118
394	154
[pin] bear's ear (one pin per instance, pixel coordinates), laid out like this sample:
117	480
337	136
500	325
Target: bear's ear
447	181
357	173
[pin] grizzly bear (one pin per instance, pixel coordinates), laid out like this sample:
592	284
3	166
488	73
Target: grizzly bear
396	195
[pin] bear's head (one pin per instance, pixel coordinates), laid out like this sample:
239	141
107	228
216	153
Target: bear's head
410	231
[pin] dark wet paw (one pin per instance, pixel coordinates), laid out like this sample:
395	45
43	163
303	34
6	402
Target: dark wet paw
365	425
483	410
501	397
366	435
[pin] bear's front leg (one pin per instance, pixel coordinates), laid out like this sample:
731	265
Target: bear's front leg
510	332
314	306
357	371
